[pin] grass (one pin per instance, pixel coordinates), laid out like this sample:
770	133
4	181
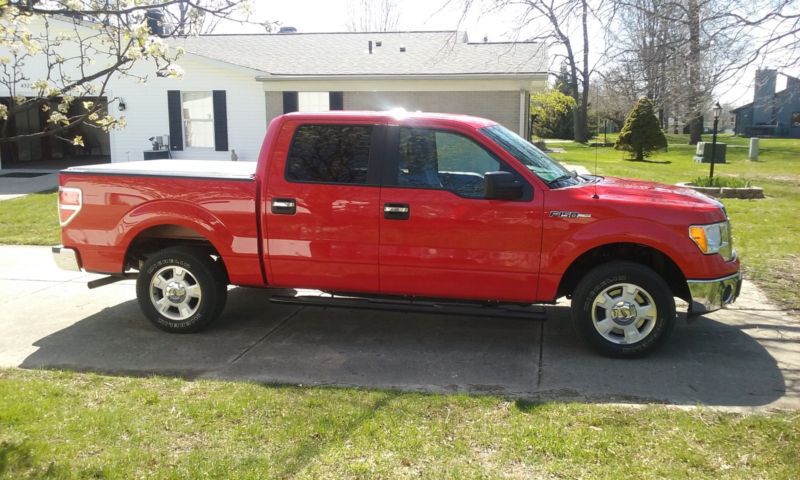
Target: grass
67	425
766	232
30	220
722	182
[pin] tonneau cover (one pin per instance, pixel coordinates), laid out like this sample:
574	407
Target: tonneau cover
174	168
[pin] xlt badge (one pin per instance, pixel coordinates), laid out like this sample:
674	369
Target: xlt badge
561	214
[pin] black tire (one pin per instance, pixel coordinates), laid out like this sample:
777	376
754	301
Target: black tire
203	284
619	281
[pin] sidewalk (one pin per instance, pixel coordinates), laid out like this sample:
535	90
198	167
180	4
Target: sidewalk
16	183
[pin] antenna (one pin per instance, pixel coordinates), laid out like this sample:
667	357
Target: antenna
596	145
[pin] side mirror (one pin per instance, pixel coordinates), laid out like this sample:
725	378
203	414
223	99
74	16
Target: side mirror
501	186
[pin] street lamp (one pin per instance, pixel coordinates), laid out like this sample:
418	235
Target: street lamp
717	110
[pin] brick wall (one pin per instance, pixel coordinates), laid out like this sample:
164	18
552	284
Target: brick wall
500	106
274	104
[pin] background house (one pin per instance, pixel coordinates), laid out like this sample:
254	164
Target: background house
771	113
233	85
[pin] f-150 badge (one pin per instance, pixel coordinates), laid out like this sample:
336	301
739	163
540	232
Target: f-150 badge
560	214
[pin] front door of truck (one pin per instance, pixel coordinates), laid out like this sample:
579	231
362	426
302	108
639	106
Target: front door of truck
321	215
439	236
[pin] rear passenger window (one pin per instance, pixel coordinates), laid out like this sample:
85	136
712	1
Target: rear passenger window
329	154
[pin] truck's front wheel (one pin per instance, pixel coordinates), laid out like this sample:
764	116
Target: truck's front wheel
181	290
623	309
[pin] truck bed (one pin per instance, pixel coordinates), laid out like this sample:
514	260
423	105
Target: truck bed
130	201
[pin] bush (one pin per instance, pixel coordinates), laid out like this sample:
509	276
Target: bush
641	133
722	182
551	114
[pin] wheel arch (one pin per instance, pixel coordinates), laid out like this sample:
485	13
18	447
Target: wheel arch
157	225
646	255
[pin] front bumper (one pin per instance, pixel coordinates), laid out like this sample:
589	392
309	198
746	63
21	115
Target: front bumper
66	258
710	295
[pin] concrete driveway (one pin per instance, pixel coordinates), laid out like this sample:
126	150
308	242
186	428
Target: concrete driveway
744	358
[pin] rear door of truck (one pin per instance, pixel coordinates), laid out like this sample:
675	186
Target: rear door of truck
322	206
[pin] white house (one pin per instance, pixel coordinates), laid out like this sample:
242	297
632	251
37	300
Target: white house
233	85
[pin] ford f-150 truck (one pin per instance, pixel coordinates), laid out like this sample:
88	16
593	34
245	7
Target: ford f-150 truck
445	208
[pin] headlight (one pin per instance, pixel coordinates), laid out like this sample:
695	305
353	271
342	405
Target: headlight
714	238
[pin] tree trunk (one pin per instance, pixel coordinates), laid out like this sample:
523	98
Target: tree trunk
579	121
582	109
695	100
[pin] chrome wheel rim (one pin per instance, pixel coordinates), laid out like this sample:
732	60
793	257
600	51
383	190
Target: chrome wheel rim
624	313
175	293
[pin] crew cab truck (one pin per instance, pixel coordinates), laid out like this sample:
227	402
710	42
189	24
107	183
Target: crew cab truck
402	205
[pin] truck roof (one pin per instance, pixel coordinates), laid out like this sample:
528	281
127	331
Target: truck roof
391	116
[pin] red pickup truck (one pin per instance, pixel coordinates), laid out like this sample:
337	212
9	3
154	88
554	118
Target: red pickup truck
444	208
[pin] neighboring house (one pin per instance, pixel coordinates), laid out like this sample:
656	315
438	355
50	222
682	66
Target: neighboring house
233	85
771	113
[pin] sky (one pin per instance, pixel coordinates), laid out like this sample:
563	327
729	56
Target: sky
335	15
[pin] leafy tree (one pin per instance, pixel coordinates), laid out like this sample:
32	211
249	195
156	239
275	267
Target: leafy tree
641	133
552	114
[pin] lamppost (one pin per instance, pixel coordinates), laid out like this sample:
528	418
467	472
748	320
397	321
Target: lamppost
717	111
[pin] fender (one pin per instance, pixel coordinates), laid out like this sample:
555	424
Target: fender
578	241
174	212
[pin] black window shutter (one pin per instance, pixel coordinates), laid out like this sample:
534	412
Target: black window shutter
336	100
175	120
290	102
220	121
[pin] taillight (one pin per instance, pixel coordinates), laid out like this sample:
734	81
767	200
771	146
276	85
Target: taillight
70	201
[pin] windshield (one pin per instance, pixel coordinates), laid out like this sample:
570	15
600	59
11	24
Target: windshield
534	159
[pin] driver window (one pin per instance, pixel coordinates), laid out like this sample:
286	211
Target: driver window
443	160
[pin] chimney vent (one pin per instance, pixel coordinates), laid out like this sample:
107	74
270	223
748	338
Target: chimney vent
402	48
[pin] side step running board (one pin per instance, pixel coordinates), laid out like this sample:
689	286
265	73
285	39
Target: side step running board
101	282
417	306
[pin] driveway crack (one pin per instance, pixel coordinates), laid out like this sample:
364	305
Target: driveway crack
540	370
269	333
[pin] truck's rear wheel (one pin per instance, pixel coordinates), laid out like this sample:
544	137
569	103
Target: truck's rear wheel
623	309
181	290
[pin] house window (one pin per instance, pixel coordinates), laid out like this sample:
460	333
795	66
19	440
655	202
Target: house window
198	119
313	102
796	119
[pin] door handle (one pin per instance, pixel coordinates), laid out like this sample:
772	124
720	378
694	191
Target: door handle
284	206
396	211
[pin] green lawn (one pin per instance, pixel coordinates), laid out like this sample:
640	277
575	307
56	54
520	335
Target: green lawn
30	220
766	232
67	425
